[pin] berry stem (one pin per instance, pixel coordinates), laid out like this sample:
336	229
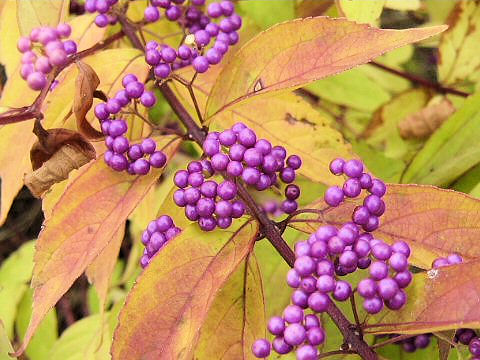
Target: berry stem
34	111
268	228
392	340
355	314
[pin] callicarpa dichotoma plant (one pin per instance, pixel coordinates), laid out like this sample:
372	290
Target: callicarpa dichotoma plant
240	179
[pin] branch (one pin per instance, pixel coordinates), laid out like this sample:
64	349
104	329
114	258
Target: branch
34	111
267	227
422	81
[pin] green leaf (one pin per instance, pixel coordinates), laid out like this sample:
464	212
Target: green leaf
451	151
46	335
352	88
295	53
360	10
237	313
15	273
153	326
396	352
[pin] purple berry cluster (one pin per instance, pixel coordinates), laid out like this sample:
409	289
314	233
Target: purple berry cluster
239	156
156	236
294	329
102	7
373	206
415	342
469	337
451	259
121	155
474	347
209	203
202	30
331	253
42	50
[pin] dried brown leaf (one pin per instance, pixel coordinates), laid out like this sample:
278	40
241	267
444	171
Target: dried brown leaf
54	155
86	83
424	122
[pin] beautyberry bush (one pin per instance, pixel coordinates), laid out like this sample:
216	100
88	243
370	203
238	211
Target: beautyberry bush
216	179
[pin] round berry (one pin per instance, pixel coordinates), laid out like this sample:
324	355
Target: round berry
261	348
276	325
353	168
200	64
158	159
318	302
227	190
373	305
334	196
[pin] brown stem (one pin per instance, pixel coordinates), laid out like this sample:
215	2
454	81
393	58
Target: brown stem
392	340
34	111
268	228
422	81
355	315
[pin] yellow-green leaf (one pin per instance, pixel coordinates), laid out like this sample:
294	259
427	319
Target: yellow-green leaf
458	47
297	52
161	317
238	313
83	222
360	10
9	35
36	13
5	346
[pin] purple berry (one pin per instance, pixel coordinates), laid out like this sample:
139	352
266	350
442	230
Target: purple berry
220	161
387	288
247	137
304	265
205	207
373	305
120	144
128	79
378	270
287	175
234	168
276	325
261	348
119	162
365	181
37	80
227	190
238	209
200	64
398	262
325	267
401	247
299	298
173	13
403	278
334	196
134	89
326	283
382	251
397	301
181	178
353	168
209	189
236	152
162	71
367	288
179	197
342	291
294	334
207	223
293	314
352	188
318	302
158	159
250	175
214	10
289	206
227	138
293	278
148	146
378	188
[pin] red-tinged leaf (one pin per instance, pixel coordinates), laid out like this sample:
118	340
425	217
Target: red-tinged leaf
99	272
433	221
439	299
238	313
297	52
161	318
82	223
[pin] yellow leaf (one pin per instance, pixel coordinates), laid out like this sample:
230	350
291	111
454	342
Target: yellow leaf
404	4
36	13
9	35
161	317
360	10
238	313
297	52
84	221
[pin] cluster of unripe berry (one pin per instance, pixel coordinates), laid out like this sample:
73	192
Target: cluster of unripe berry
331	253
103	7
42	50
201	31
121	155
156	236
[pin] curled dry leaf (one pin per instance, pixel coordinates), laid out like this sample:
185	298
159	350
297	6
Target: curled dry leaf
85	86
424	122
54	155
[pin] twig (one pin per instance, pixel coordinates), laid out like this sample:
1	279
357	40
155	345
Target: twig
422	81
392	340
355	315
336	352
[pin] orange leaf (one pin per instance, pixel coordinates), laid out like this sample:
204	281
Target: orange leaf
433	221
238	313
440	299
82	224
161	317
297	52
